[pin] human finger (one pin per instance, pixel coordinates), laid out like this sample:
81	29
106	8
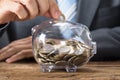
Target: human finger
54	9
13	50
48	15
15	43
17	9
31	6
21	55
22	41
43	6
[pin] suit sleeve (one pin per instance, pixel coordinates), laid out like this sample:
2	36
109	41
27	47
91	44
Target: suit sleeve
108	43
3	28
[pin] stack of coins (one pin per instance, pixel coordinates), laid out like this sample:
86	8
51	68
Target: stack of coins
62	52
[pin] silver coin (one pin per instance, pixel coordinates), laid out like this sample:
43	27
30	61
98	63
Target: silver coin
86	53
43	60
68	56
79	61
50	60
59	57
47	48
50	41
70	61
79	52
64	50
61	63
62	18
70	42
42	56
38	56
73	43
53	53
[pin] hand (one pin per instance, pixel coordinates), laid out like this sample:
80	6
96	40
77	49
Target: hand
17	50
17	10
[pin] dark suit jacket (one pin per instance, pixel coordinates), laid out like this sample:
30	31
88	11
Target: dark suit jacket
101	17
1	31
3	28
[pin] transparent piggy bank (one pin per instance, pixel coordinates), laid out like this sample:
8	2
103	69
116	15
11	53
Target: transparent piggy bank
62	45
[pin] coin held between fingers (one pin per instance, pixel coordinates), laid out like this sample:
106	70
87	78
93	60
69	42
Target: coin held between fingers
62	18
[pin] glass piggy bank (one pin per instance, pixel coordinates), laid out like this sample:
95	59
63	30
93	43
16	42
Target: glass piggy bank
59	44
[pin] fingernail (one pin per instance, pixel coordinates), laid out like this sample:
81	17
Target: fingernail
8	61
57	14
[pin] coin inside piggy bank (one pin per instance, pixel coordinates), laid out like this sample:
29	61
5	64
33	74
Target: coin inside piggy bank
62	45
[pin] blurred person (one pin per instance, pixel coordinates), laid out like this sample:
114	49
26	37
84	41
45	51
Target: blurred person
12	11
102	17
18	10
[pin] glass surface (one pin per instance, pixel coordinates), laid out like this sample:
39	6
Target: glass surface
59	44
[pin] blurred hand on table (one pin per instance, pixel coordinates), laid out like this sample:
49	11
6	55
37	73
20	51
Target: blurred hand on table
17	50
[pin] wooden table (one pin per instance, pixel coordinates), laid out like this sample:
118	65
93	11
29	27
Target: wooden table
31	71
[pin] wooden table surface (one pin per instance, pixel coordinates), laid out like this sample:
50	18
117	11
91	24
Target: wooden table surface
31	71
